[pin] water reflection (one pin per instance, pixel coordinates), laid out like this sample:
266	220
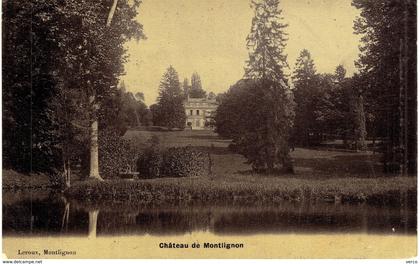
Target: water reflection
93	221
50	214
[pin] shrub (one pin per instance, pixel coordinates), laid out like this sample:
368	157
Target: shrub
115	154
173	162
183	162
56	179
149	162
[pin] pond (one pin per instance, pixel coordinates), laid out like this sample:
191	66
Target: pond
39	214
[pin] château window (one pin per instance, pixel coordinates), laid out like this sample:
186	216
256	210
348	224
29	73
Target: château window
191	112
198	112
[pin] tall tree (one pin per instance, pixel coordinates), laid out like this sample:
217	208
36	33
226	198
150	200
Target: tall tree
265	142
196	90
340	73
388	62
186	88
170	109
333	111
139	96
29	57
266	43
81	70
358	89
307	95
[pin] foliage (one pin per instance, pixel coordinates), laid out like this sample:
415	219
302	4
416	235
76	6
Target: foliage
155	162
132	110
47	105
183	162
266	42
149	163
263	97
169	110
14	180
186	88
196	90
333	113
115	154
307	94
211	96
255	138
388	64
205	191
28	64
341	112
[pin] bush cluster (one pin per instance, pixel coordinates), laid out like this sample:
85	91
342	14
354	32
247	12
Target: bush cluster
183	162
173	162
115	154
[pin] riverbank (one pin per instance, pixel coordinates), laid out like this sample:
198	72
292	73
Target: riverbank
390	191
320	175
13	180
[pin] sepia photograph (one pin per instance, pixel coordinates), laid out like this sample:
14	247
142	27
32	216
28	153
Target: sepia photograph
221	129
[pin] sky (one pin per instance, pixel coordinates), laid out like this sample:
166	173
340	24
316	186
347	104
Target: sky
209	37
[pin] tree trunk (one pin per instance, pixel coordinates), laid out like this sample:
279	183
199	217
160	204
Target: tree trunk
361	124
94	147
94	151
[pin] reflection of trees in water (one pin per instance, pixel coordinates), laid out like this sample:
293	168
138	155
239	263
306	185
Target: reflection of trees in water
66	214
299	218
61	216
47	215
93	220
153	222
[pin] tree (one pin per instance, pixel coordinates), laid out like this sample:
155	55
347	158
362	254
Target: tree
170	111
211	96
266	43
29	145
387	62
334	108
139	96
186	88
220	97
100	65
307	95
131	110
340	73
79	72
359	116
196	90
154	110
267	102
341	111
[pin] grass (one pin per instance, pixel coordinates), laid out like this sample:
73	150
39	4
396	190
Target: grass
309	163
321	175
393	191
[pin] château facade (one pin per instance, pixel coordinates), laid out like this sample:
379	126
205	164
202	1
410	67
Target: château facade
200	112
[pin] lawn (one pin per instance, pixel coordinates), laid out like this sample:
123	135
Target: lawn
320	175
309	163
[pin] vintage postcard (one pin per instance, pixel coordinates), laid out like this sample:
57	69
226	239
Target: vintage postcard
192	129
